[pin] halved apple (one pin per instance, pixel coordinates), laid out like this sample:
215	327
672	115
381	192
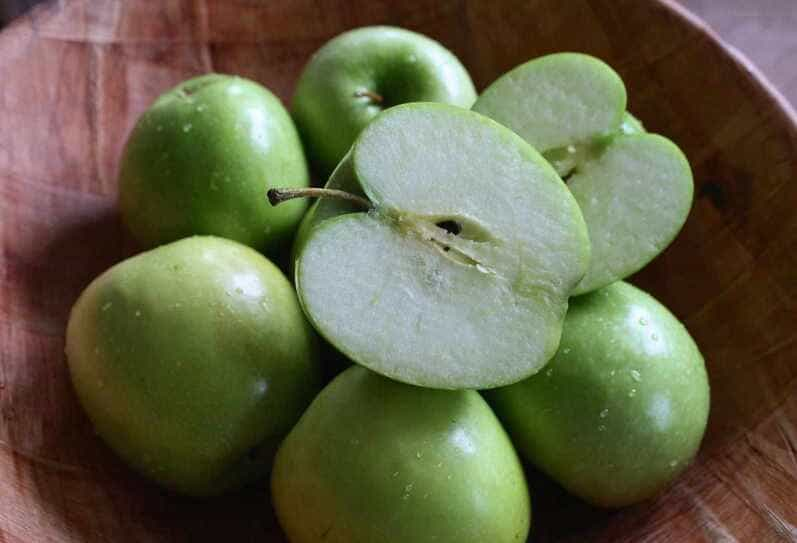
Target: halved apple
634	189
458	273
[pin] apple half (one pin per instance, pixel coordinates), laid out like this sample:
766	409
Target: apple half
635	189
457	274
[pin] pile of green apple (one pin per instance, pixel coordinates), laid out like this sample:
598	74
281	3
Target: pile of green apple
461	244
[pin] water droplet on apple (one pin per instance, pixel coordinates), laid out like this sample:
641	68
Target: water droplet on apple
107	306
138	313
548	372
604	413
643	321
601	428
187	127
673	463
636	376
566	350
632	393
654	337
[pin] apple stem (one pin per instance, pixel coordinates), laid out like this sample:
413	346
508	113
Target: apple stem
376	98
277	196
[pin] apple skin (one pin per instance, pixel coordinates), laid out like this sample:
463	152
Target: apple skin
200	160
622	407
376	460
631	125
193	361
397	64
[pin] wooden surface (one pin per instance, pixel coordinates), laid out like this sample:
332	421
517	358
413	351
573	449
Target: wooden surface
73	80
764	30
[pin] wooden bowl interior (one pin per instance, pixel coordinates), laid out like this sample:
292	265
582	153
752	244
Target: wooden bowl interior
74	77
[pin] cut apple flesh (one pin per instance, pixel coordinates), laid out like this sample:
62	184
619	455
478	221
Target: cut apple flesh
634	189
566	159
635	197
557	101
459	275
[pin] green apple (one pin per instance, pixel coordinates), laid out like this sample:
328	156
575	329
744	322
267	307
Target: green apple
361	72
376	460
193	361
458	274
634	189
631	125
200	159
622	407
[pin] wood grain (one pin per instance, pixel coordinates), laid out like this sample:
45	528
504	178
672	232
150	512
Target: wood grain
73	78
763	30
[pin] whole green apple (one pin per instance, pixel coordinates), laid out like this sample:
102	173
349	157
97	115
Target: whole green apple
361	72
622	407
200	160
193	361
376	460
454	267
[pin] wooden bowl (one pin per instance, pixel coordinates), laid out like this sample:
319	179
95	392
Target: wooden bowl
75	75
